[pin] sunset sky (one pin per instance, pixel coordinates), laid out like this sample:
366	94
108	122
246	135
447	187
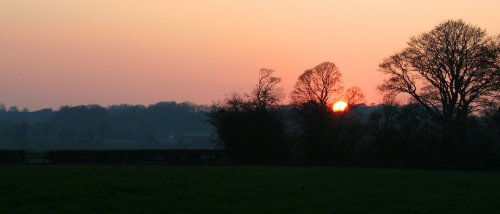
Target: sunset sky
69	52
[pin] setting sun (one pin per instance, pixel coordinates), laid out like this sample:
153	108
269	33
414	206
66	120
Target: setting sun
339	106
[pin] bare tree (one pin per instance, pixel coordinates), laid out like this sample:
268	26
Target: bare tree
354	97
317	84
447	70
267	93
247	124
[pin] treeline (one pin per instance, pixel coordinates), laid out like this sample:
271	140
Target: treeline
388	134
90	126
440	108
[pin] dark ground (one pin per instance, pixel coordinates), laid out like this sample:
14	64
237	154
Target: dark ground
244	189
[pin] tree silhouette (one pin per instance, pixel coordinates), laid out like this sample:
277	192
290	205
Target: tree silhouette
311	98
267	93
317	84
354	97
446	70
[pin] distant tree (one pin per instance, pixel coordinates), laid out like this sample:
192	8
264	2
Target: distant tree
3	108
80	126
354	97
267	93
318	84
447	70
13	109
88	126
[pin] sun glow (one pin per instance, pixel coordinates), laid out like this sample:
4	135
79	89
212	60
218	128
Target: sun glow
339	106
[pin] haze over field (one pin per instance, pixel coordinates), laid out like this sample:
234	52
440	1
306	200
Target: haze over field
62	52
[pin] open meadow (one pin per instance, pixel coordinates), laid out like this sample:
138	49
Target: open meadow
244	189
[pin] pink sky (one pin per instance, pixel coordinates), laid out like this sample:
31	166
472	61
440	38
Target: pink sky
69	52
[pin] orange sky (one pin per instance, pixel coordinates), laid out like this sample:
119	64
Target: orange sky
69	52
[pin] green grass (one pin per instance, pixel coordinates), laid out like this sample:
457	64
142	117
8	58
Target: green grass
241	189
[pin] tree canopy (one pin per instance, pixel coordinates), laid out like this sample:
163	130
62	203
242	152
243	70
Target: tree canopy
318	84
449	70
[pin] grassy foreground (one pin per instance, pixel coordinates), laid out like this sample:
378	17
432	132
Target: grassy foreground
241	189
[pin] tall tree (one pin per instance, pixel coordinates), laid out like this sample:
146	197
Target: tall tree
314	91
318	84
447	70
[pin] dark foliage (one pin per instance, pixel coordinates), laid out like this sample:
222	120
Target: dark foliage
317	132
88	127
251	128
249	133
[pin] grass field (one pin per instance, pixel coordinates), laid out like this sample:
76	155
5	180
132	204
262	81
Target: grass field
242	189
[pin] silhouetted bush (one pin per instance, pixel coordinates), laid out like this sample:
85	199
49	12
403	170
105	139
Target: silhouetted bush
249	133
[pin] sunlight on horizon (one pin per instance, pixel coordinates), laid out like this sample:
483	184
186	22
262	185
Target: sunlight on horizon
339	106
